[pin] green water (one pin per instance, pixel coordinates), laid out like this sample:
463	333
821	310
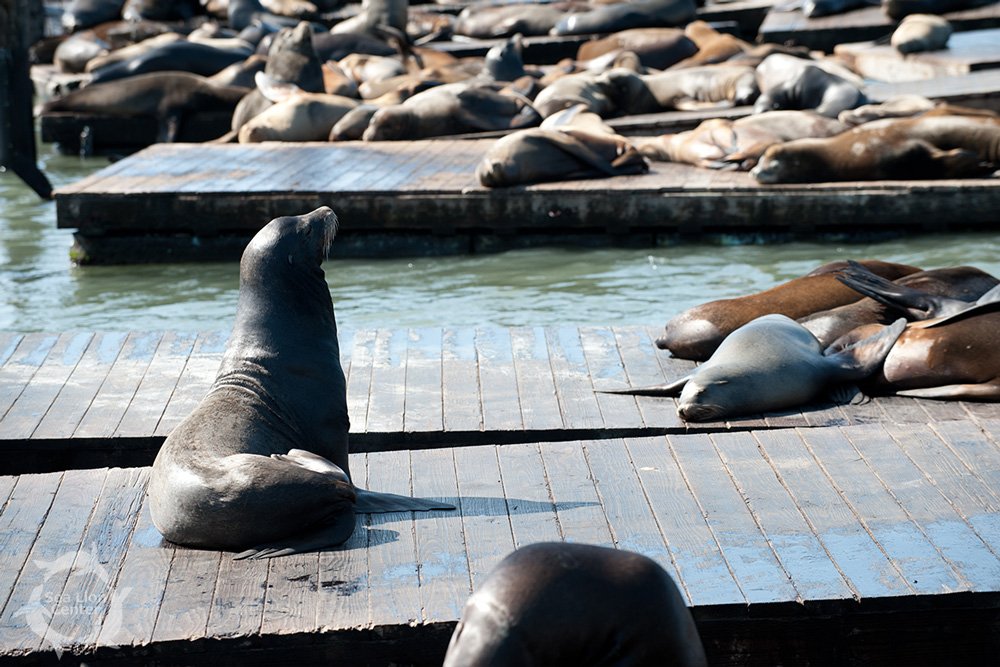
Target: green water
40	289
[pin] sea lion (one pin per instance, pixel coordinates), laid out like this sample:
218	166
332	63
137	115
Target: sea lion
658	48
924	147
787	82
352	125
504	61
177	56
449	109
376	16
921	32
771	363
73	53
817	8
955	357
711	84
82	14
713	46
295	115
697	332
719	143
485	22
557	604
335	46
160	10
625	15
928	291
571	144
242	73
898	9
133	50
897	106
573	89
262	462
169	96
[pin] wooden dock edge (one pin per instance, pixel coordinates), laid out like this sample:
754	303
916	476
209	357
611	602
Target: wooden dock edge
947	629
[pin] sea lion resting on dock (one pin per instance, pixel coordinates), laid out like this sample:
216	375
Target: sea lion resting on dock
571	144
623	15
169	96
926	147
262	462
771	363
787	82
556	604
658	48
921	32
696	333
931	293
296	115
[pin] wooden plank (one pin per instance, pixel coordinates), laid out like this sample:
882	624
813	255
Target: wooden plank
423	382
102	550
497	380
578	507
851	546
290	601
22	516
704	574
392	556
607	372
343	572
187	596
196	378
978	89
642	369
535	386
915	556
108	407
626	507
965	52
529	503
30	406
964	550
144	573
22	366
485	521
157	386
388	390
359	382
799	549
577	401
460	380
440	542
754	563
9	340
36	593
978	452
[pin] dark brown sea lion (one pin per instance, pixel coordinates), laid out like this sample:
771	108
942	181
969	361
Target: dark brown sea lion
787	82
625	15
955	357
925	147
160	10
697	332
557	604
897	9
930	294
571	144
921	32
262	462
178	56
771	363
82	14
169	96
133	50
656	47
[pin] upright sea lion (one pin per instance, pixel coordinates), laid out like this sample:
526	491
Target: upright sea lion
573	143
625	15
169	96
557	604
262	462
504	62
955	357
925	147
928	291
921	32
697	332
771	363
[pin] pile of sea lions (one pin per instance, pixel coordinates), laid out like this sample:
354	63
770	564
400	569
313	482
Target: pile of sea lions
293	70
889	329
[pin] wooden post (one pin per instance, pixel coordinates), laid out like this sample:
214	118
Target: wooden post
22	23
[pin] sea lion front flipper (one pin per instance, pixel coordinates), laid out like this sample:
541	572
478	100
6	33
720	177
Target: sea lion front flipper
672	389
331	535
376	502
847	394
987	391
860	359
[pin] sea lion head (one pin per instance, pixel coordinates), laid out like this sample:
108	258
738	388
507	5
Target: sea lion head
788	163
298	241
391	124
705	398
292	58
745	89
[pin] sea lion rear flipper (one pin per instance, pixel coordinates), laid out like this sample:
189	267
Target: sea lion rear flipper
375	502
861	359
986	391
325	537
672	389
914	304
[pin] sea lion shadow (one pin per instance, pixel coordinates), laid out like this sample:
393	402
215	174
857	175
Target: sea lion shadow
469	506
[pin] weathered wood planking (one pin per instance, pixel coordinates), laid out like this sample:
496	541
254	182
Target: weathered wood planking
426	190
864	540
966	52
84	400
977	89
858	25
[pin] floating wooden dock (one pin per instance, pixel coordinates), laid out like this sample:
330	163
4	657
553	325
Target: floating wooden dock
860	25
190	201
86	400
966	52
846	545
